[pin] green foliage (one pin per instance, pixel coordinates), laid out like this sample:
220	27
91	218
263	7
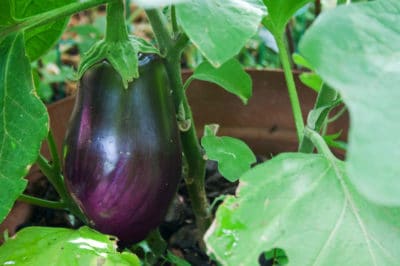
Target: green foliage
37	246
280	12
89	34
23	124
310	79
296	209
364	67
7	13
217	42
150	249
39	40
230	76
234	157
305	205
277	256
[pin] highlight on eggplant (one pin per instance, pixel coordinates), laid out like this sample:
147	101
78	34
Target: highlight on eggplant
122	152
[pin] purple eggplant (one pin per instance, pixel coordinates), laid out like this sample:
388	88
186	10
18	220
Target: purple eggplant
122	152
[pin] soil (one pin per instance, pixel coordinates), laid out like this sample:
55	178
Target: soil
178	228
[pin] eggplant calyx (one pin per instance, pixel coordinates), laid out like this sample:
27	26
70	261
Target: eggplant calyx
122	56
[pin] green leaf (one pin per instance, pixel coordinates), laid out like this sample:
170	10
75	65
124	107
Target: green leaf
317	116
6	14
38	246
43	90
39	40
305	205
311	80
23	121
277	255
230	76
150	249
361	60
333	141
234	157
301	61
280	12
143	46
205	22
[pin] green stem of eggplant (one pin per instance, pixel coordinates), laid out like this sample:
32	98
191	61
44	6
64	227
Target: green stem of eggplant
294	98
42	202
195	179
191	147
57	180
116	27
326	97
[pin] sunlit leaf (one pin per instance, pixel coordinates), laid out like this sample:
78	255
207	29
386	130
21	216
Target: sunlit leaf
364	66
205	22
38	246
234	157
39	40
23	121
230	76
280	12
305	205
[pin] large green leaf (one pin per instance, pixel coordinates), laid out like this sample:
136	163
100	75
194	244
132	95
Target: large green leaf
23	121
362	61
6	15
305	205
38	246
39	40
205	22
280	12
230	76
234	157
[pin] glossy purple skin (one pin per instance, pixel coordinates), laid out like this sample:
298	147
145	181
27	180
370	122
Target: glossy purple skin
122	150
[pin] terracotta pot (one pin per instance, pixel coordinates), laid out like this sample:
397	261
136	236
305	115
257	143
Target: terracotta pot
265	123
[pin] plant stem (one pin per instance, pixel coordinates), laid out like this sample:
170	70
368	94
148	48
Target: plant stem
116	27
42	202
160	30
57	180
337	115
53	152
187	83
127	9
48	171
320	143
51	16
294	98
326	97
191	147
175	28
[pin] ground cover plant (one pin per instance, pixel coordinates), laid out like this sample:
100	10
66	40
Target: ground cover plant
122	156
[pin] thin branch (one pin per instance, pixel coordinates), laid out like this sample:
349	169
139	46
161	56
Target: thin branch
42	202
51	16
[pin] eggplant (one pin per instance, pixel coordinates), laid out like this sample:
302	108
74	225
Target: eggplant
122	152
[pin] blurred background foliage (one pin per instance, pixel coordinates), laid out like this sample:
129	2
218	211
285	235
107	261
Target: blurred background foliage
54	73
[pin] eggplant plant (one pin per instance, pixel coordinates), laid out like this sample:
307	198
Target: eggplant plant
132	136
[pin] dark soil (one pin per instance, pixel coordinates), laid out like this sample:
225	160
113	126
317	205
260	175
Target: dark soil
178	229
